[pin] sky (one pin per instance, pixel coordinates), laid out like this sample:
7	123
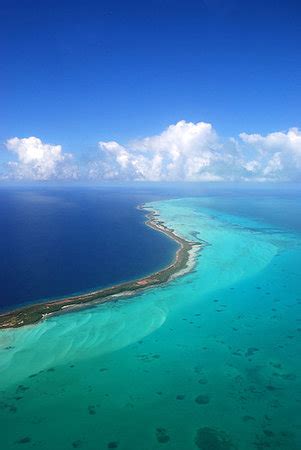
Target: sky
159	90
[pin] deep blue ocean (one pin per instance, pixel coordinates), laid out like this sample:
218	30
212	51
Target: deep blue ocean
59	241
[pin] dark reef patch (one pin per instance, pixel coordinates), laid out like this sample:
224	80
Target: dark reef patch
33	375
21	388
113	444
162	435
24	440
251	351
91	409
212	439
276	440
148	357
248	418
202	399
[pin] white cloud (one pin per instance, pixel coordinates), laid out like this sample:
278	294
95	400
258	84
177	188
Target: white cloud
190	151
184	151
278	153
39	161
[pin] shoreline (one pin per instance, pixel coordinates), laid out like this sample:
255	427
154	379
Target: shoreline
182	263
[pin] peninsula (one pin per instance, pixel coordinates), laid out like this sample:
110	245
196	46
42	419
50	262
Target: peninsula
30	314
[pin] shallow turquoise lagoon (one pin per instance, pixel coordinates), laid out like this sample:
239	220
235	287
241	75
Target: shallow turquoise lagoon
209	361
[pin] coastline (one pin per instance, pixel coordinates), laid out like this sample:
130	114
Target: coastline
182	263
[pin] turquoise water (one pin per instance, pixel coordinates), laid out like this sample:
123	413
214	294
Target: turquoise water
209	361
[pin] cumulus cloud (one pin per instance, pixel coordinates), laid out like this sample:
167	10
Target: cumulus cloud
39	161
184	151
189	151
278	153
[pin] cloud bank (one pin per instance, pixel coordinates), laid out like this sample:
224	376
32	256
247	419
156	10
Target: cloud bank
190	151
184	151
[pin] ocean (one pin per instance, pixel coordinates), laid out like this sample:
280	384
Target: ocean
208	361
57	242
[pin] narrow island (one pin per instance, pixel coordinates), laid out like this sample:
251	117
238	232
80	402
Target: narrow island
182	263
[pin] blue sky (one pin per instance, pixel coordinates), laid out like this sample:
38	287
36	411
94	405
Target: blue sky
74	74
